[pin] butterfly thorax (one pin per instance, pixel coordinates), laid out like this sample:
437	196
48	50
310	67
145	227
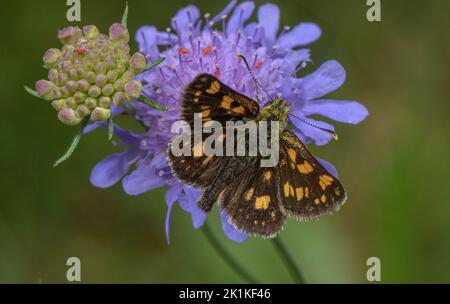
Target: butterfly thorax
275	110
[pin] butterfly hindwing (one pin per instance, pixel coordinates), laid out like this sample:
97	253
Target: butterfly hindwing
251	201
306	190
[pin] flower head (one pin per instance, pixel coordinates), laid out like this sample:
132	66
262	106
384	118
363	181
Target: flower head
90	73
194	45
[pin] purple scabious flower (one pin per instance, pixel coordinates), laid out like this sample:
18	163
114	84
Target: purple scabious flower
194	45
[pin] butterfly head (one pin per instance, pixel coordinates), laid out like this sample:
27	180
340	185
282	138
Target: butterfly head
275	110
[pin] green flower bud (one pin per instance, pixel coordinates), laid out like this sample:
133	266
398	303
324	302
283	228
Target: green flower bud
90	76
94	91
83	111
73	74
100	68
119	32
46	89
71	103
104	102
79	97
119	98
51	57
91	103
100	114
101	80
53	75
90	31
138	62
69	117
112	75
64	92
62	78
59	104
128	76
71	86
108	90
83	85
119	85
70	35
133	90
121	68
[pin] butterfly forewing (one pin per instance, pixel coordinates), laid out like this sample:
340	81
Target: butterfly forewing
306	190
216	102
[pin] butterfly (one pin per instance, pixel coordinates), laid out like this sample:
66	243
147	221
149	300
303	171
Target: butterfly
256	199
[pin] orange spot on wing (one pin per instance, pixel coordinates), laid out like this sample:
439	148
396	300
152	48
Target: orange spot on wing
262	202
305	168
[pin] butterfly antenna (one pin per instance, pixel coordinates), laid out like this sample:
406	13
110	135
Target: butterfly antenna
331	132
255	80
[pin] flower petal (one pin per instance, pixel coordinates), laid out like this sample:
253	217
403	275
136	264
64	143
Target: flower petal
168	222
230	231
193	194
110	170
346	111
146	39
173	193
328	166
302	34
327	78
225	11
198	217
319	137
240	14
159	161
269	19
185	18
141	180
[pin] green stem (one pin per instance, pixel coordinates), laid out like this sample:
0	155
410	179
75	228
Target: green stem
229	259
154	64
288	261
74	143
152	103
110	128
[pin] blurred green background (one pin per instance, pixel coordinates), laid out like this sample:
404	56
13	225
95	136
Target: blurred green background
395	165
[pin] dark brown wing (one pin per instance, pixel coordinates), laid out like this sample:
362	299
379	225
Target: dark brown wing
215	101
251	202
307	190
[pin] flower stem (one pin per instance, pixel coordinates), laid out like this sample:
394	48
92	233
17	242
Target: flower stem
229	259
288	261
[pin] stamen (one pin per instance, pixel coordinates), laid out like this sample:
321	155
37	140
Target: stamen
183	51
285	29
207	50
224	17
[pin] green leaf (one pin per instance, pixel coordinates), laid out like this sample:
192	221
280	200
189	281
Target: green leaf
32	92
110	128
74	143
125	16
152	103
154	64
